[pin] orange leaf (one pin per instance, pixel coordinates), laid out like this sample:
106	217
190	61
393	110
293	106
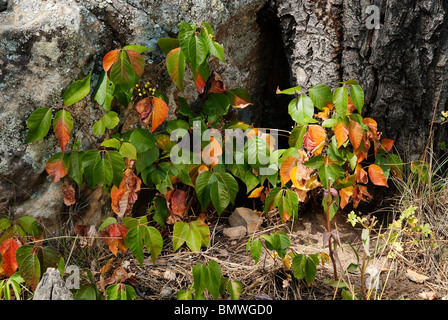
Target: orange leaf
137	61
318	135
56	168
360	194
211	152
345	194
341	133
285	169
361	175
160	112
373	126
387	144
115	234
199	81
256	193
350	105
355	134
109	59
217	84
376	175
8	250
125	196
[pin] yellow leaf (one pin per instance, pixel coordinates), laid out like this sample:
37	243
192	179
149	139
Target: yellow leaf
256	193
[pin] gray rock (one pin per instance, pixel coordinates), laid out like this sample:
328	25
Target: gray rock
52	287
245	217
235	232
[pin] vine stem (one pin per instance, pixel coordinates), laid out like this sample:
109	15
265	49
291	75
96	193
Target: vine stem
335	271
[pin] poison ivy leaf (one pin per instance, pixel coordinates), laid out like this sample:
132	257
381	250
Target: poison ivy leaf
111	120
104	92
318	136
213	47
320	95
290	91
146	159
345	194
357	95
118	165
115	235
217	104
219	195
239	98
255	250
212	278
355	134
197	51
99	128
168	44
76	169
234	288
161	211
298	266
331	172
296	137
76	91
268	203
142	140
103	171
38	124
111	143
340	100
310	270
180	231
387	144
341	133
203	185
136	47
125	72
29	224
376	175
153	242
134	242
57	166
175	65
62	126
301	109
200	76
128	150
29	265
8	251
152	110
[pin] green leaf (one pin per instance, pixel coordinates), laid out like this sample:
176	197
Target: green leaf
310	270
104	93
85	293
168	44
230	183
111	120
320	95
184	108
301	109
76	169
197	51
111	143
38	124
99	128
142	140
76	91
134	242
315	162
234	288
175	65
176	124
180	231
220	196
212	278
193	239
203	182
5	223
291	91
347	295
198	279
108	221
340	100
217	104
298	266
357	95
331	172
103	171
269	201
153	242
122	74
29	265
255	250
296	137
29	224
118	165
128	150
136	47
213	47
146	159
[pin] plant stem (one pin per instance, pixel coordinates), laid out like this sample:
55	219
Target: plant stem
335	271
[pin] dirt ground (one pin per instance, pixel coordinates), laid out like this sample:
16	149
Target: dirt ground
269	279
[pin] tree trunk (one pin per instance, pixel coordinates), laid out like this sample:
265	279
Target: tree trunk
402	66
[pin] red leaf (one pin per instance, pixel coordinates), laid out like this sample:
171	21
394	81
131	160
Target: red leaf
115	234
360	194
175	65
126	195
56	168
217	84
177	202
387	144
8	250
109	59
62	125
355	134
361	175
373	127
376	175
318	136
137	61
